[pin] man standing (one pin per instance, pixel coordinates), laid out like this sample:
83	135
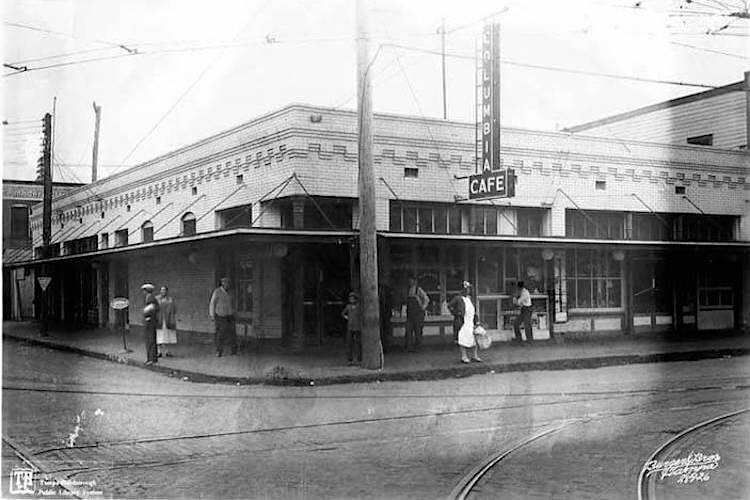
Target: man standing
150	320
221	310
523	300
416	304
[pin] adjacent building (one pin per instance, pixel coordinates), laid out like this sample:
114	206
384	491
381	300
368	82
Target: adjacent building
717	118
609	235
19	198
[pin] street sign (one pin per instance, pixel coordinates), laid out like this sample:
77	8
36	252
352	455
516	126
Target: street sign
119	303
487	185
44	281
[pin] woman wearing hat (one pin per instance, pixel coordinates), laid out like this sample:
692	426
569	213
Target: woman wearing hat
150	319
464	320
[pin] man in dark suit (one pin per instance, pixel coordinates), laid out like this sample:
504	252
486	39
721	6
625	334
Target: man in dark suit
150	321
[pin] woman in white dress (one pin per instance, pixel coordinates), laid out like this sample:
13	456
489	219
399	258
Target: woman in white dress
464	320
166	334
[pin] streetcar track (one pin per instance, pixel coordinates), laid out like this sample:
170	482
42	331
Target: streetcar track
316	447
359	421
643	477
366	396
469	481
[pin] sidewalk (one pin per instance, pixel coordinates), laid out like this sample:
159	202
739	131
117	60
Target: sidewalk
326	365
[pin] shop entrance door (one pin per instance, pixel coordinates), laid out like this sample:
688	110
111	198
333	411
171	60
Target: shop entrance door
327	283
653	306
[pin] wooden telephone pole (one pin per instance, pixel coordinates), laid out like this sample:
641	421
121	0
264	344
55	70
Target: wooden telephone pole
372	350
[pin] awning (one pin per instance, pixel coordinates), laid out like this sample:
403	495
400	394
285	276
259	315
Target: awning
259	235
561	242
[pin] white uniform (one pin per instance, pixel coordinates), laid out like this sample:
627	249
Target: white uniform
466	333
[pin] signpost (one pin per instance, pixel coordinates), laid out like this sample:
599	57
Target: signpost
119	304
44	282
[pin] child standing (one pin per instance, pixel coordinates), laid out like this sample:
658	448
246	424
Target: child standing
352	315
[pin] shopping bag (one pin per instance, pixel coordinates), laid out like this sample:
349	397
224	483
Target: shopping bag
483	339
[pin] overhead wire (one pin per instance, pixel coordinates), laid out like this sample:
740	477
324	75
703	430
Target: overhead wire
558	69
185	92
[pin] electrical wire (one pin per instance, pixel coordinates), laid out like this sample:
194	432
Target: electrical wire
704	49
186	92
557	68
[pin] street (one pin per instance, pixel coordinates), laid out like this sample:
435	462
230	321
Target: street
143	434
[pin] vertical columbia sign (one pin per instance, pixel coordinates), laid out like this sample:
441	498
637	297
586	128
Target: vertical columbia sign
489	78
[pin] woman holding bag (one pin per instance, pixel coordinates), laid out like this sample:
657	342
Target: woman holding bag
464	319
166	334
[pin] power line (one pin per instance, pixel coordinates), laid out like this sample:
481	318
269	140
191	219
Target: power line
710	50
67	35
558	69
185	93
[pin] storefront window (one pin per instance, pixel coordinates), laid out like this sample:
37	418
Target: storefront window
594	280
244	284
490	275
438	271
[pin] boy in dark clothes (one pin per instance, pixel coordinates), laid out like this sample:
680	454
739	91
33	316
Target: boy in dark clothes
352	315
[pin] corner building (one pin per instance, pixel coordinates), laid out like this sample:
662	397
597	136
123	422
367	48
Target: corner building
609	235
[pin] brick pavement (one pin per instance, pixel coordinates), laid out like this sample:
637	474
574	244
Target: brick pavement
256	363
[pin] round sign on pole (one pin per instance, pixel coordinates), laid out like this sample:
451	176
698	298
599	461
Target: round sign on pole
119	303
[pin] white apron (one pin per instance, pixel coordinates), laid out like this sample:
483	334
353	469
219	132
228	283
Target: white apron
466	333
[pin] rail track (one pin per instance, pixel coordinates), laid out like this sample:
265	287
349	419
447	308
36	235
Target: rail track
469	482
646	481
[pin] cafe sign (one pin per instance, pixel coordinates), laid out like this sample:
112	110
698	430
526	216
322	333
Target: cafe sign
491	180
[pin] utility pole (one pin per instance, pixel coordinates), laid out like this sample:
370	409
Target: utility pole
372	350
44	175
442	37
95	159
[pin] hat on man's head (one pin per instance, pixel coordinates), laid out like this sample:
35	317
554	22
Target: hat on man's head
148	287
465	284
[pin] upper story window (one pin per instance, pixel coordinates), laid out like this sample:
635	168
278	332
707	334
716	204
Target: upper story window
412	217
121	238
703	227
530	221
701	140
105	240
147	231
188	224
593	224
19	222
321	214
229	218
684	227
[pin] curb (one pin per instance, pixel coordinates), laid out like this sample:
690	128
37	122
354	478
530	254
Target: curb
458	371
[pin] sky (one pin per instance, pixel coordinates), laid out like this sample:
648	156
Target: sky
169	72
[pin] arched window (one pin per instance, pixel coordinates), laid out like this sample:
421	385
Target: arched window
188	224
147	231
